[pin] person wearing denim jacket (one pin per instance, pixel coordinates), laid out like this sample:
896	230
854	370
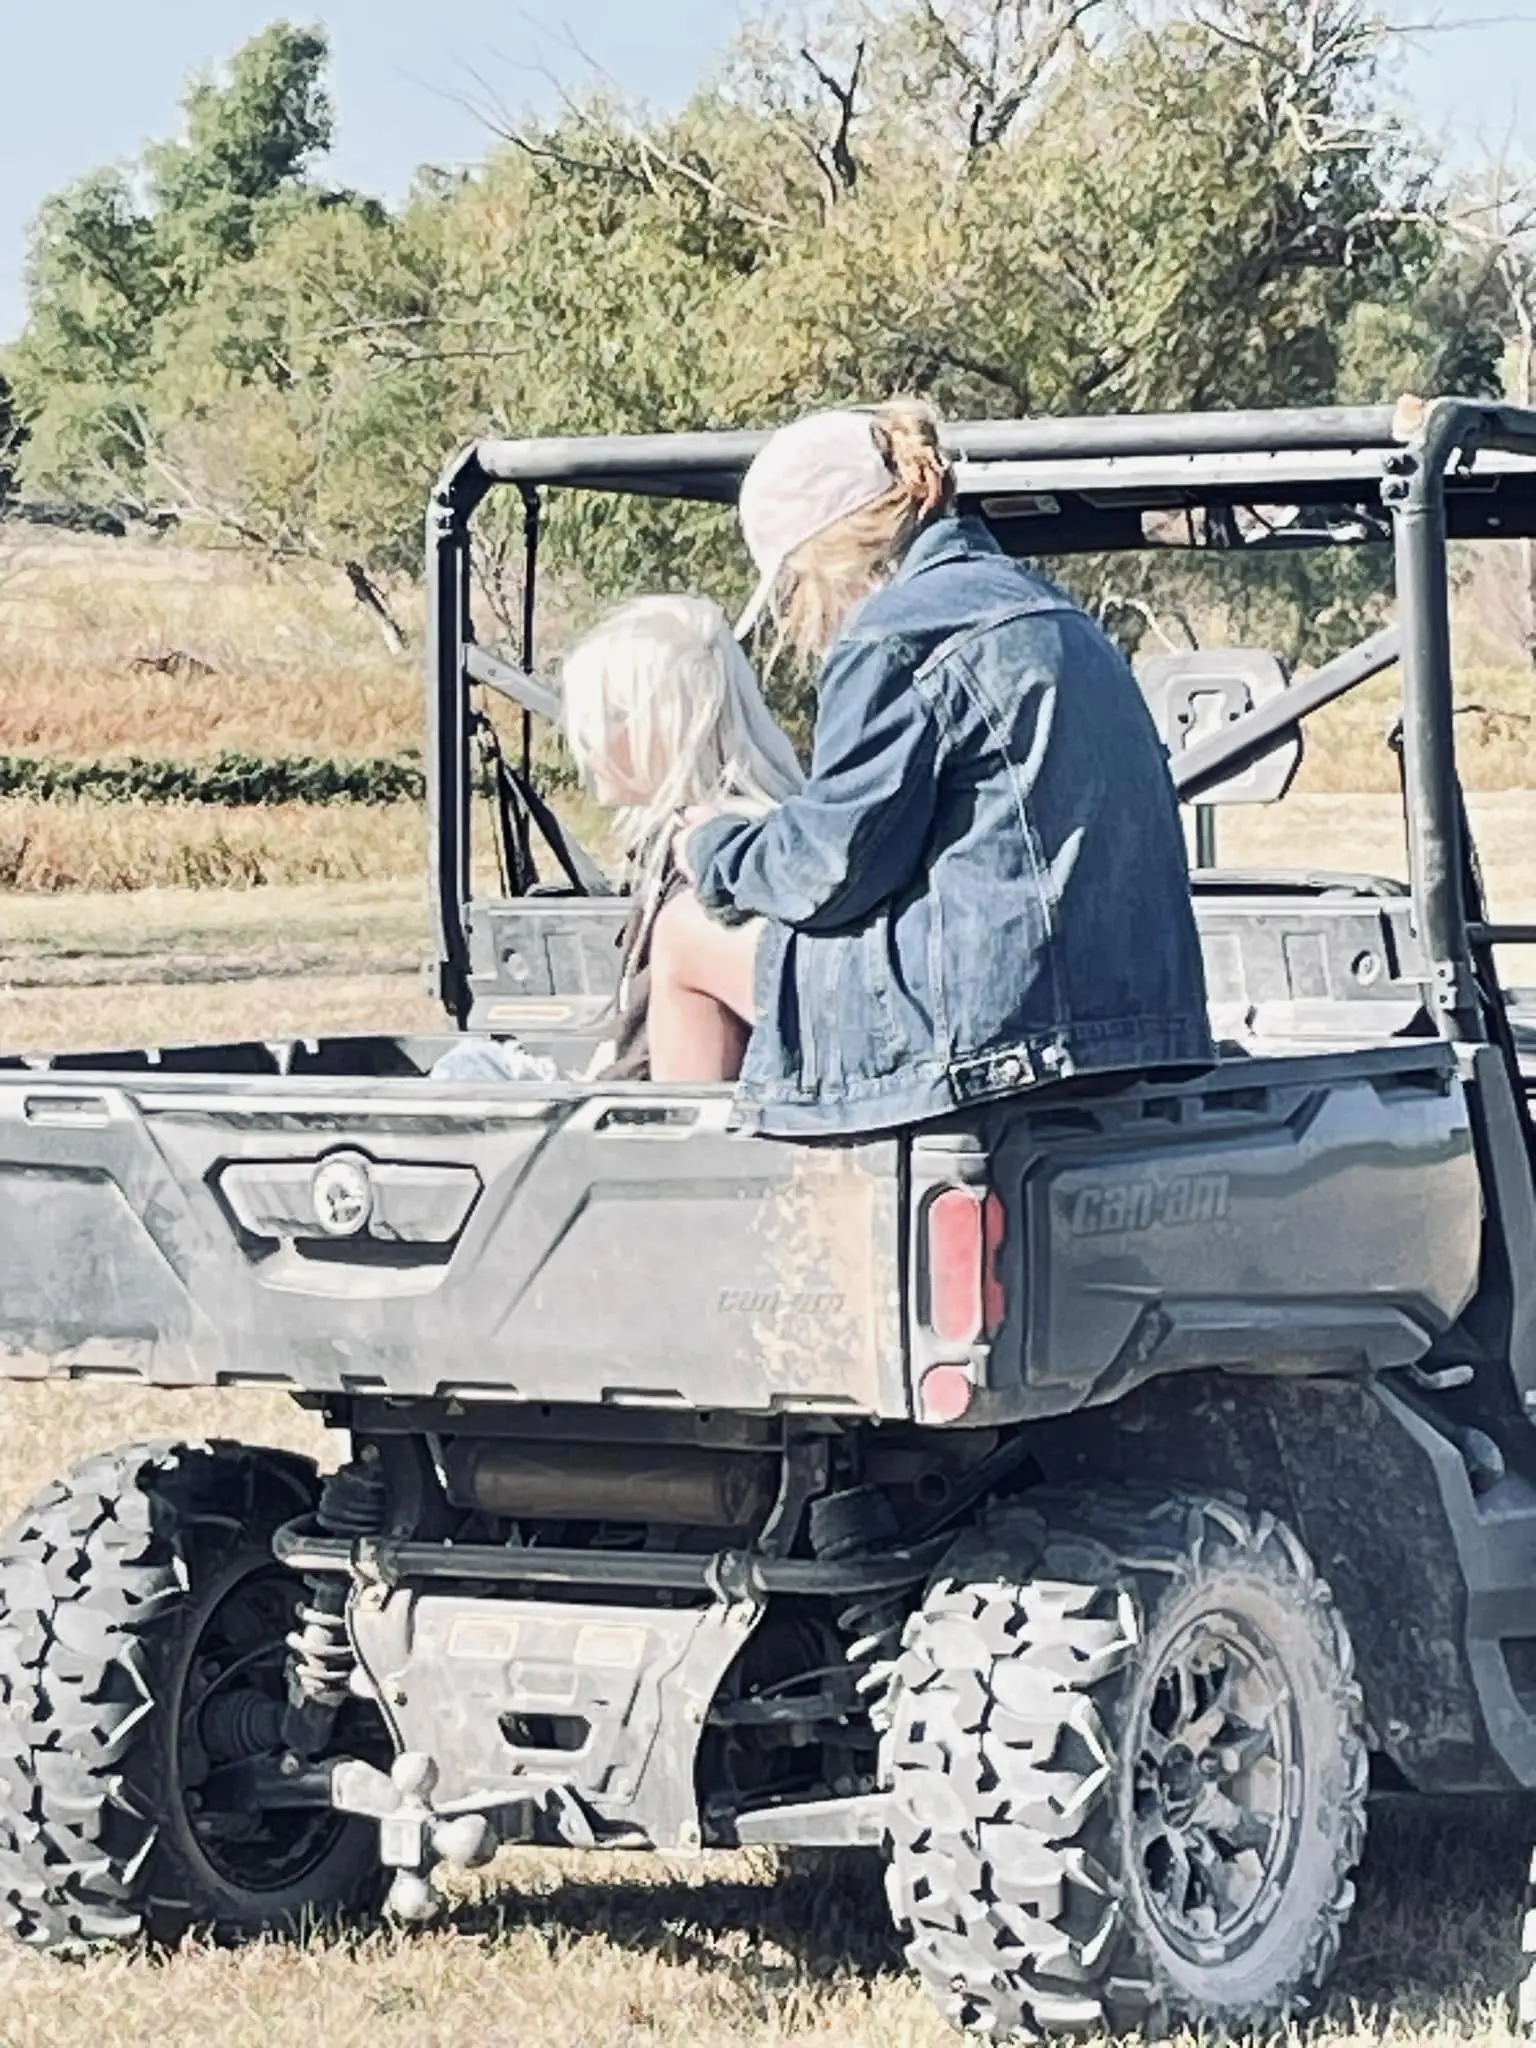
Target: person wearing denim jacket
983	883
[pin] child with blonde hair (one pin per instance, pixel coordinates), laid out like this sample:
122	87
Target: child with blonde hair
663	715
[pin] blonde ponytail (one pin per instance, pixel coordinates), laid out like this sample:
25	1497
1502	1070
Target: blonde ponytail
837	569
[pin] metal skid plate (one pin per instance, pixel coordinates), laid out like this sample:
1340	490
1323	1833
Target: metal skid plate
586	1712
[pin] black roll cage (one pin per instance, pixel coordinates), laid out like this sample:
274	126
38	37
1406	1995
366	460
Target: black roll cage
1449	468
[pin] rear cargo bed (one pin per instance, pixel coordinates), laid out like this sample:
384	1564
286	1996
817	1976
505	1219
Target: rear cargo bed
319	1216
196	1221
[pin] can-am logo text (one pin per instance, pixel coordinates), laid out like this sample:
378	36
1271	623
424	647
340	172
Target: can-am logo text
1116	1206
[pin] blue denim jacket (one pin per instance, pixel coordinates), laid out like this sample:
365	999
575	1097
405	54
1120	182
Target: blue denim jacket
983	883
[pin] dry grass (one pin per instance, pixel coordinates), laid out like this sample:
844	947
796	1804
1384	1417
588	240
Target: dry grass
283	660
1346	745
1365	833
174	964
596	1952
118	1014
268	659
162	965
80	844
47	1427
77	844
231	927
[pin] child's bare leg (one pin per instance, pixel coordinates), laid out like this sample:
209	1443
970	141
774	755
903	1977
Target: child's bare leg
701	1007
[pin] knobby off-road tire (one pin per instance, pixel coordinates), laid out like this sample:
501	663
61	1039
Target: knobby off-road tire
1525	1997
130	1593
1128	1770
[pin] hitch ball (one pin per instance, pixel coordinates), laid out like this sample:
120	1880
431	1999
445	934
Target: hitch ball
411	1898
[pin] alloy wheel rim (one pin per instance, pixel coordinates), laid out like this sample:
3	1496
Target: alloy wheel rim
1214	1822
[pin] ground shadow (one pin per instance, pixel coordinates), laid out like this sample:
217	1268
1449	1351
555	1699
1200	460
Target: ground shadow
825	1912
1441	1896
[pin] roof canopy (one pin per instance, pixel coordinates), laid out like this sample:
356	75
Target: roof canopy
1068	485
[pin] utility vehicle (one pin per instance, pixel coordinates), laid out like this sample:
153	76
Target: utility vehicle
1082	1500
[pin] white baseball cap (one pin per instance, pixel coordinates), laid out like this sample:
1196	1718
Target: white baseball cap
805	478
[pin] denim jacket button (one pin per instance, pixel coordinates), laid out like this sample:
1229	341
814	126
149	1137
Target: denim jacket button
1010	1070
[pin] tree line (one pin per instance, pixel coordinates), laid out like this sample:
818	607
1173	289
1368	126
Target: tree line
1013	206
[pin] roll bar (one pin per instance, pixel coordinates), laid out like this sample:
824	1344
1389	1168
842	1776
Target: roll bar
1413	490
1418	444
710	466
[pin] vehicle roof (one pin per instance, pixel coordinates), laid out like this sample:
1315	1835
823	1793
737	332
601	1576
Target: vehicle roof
709	465
1063	485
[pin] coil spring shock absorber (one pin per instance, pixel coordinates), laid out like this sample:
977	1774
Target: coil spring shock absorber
320	1659
853	1524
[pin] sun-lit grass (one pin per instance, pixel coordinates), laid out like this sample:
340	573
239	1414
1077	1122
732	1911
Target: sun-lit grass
157	926
79	844
76	844
123	1014
724	1952
113	647
1346	745
1343	831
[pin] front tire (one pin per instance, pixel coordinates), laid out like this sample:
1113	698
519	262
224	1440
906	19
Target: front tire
142	1615
1128	1770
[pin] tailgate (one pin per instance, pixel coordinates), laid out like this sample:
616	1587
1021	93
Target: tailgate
411	1238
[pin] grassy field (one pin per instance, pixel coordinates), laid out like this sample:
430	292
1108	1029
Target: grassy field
110	648
135	923
47	848
609	1952
80	968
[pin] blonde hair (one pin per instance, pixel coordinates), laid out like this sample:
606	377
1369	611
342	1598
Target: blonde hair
665	676
835	570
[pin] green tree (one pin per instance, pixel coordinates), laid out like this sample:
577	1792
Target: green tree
10	442
1010	205
250	143
119	257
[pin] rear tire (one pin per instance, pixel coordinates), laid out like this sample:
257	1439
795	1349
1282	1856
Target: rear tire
1128	1770
131	1593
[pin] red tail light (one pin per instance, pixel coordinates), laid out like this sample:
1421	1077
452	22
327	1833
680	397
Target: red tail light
965	1285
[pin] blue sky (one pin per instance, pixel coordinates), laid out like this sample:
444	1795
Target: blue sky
90	80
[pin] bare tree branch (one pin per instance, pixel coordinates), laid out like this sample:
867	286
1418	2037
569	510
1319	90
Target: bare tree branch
627	151
838	163
1499	223
999	52
372	599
